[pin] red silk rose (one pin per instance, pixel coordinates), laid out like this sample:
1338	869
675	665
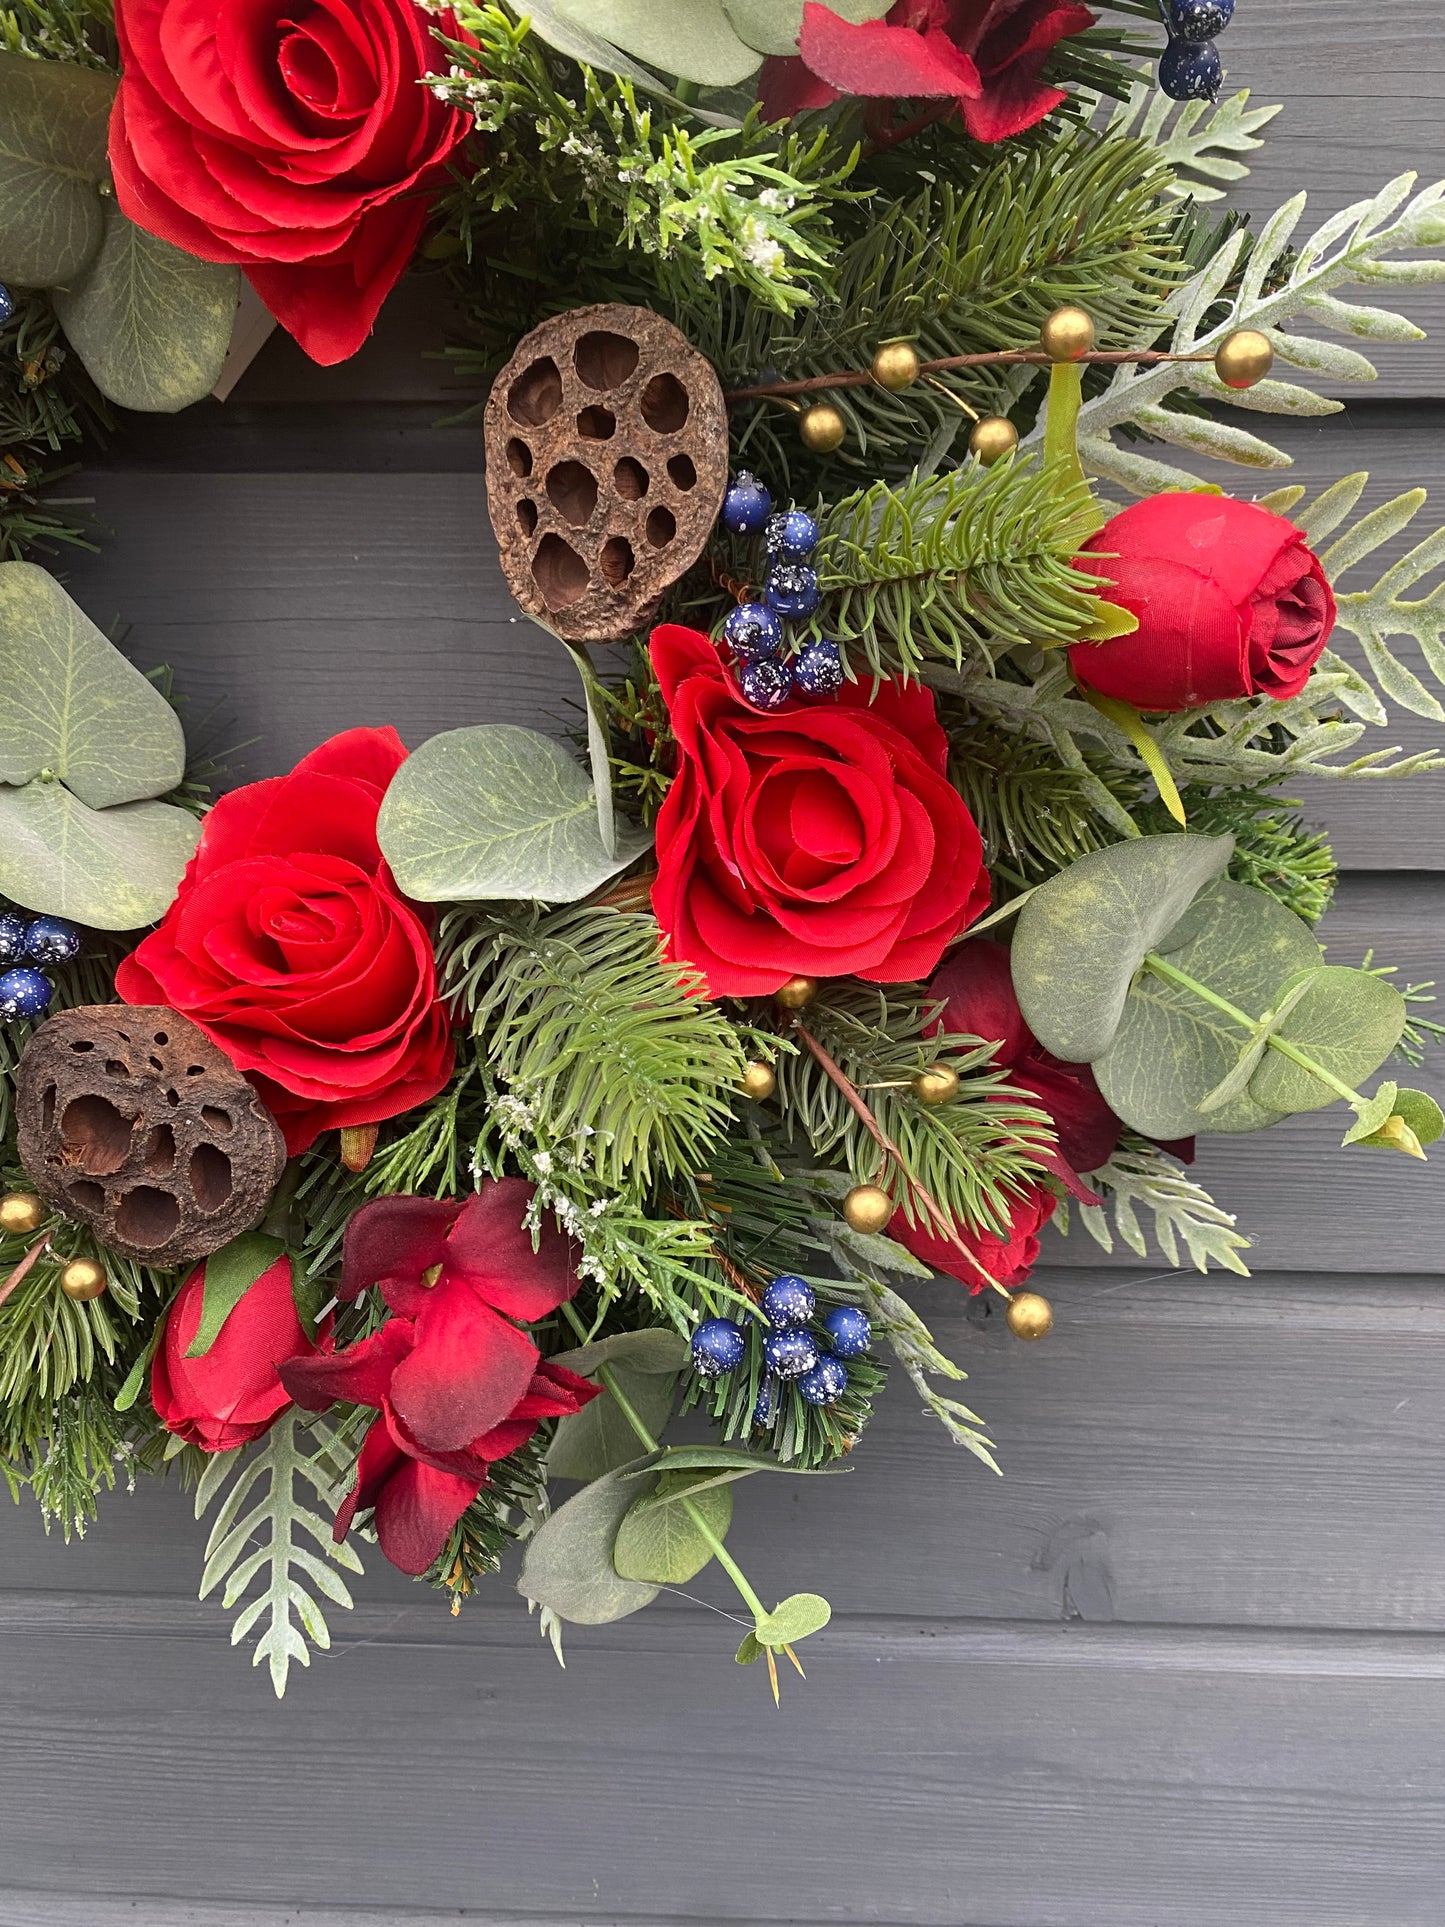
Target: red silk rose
297	140
823	839
456	1384
1230	602
986	55
232	1394
292	948
987	1259
976	986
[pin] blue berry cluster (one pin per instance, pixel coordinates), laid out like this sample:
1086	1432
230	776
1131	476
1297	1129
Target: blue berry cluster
790	1351
25	943
1190	67
754	630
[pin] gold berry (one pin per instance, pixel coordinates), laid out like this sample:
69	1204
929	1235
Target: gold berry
896	366
867	1207
758	1081
1243	358
937	1085
21	1212
797	993
822	428
1067	335
83	1279
993	438
1030	1315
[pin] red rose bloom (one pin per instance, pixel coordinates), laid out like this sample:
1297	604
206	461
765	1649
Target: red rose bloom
296	138
823	839
986	55
457	1385
232	1394
292	948
988	1259
1230	602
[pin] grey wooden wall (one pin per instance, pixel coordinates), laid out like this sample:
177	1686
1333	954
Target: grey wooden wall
1183	1666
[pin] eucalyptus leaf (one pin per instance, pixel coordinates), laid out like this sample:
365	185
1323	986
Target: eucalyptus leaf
687	1458
229	1275
1172	1048
54	126
1417	1110
655	1350
568	1563
1347	1021
599	745
773	26
659	1541
599	1437
1082	935
689	38
1238	1079
749	1650
151	323
110	869
1375	1112
497	812
794	1619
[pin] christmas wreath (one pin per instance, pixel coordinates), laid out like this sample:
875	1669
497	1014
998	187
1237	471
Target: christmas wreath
396	1148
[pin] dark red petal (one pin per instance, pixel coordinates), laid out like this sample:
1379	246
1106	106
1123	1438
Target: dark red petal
361	1375
467	1371
490	1249
392	1241
415	1510
875	58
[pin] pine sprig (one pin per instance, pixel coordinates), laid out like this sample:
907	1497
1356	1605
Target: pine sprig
1274	850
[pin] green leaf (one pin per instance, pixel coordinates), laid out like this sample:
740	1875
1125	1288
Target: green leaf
1418	1112
110	869
659	1542
694	1458
773	26
794	1619
1238	1079
229	1275
568	1563
599	1438
655	1350
135	1378
1423	1115
54	124
497	812
1171	1048
1369	1118
73	704
151	323
1082	935
599	742
1348	1021
689	38
749	1651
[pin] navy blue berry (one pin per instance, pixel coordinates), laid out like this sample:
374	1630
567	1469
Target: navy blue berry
791	536
789	1353
747	504
1197	20
717	1346
826	1383
13	931
1191	72
51	940
788	1301
849	1331
766	1409
764	683
24	993
753	630
7	304
792	590
818	669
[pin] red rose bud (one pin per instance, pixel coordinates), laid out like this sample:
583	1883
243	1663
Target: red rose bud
233	1394
1230	602
817	840
292	948
298	140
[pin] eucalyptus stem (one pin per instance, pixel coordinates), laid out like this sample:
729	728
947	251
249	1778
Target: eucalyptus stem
1172	974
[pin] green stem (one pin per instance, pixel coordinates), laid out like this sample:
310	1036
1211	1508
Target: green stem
1171	974
719	1551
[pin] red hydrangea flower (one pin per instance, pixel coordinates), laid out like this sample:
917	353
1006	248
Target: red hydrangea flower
292	948
984	55
986	1258
456	1384
822	839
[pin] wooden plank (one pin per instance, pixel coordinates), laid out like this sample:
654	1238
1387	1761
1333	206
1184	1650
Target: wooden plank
924	1774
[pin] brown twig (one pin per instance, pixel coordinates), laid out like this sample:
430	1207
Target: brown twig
26	1265
992	358
942	1221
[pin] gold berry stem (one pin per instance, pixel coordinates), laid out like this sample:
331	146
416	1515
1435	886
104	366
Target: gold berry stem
991	358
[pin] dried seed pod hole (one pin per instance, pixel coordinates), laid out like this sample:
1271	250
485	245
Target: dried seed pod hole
664	404
519	458
536	394
210	1177
630	479
572	490
559	572
661	527
218	1121
87	1195
683	472
617	560
94	1135
597	424
527	516
147	1217
160	1151
604	360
